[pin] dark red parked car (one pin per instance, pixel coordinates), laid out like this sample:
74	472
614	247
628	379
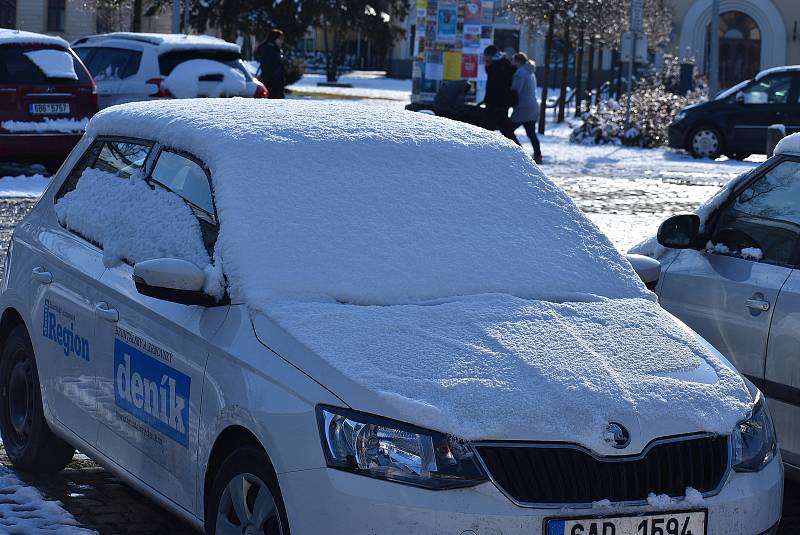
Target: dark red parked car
46	96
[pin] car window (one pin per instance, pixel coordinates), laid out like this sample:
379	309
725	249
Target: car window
169	60
186	177
113	63
120	158
18	69
763	221
769	90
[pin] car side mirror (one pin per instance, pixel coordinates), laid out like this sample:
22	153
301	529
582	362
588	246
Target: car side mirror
740	97
648	269
171	279
679	231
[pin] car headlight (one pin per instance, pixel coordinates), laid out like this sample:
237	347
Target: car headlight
680	116
754	442
391	450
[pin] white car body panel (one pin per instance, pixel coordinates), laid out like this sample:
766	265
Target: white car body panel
269	385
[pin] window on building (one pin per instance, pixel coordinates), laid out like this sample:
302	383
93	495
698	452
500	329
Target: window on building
8	13
56	13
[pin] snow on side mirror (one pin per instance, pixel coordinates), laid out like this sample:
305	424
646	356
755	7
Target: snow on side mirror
679	231
171	279
648	269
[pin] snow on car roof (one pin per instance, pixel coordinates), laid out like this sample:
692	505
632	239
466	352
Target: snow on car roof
783	68
338	201
788	145
166	42
19	37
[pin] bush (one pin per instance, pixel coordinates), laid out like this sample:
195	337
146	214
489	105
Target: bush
654	102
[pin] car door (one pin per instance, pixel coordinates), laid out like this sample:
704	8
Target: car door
66	274
762	103
113	69
782	376
152	358
728	291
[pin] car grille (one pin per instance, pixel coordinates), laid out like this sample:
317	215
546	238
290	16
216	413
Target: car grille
562	474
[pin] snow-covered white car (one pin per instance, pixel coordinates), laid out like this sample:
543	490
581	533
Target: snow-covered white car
311	318
129	67
730	272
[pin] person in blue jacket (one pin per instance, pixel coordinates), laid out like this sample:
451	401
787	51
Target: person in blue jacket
526	109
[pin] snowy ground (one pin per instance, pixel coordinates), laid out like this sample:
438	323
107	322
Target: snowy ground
23	186
366	84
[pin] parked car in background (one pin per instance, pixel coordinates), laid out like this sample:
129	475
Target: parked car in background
46	98
129	67
735	123
731	274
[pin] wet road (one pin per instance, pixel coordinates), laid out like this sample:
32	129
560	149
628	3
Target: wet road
627	210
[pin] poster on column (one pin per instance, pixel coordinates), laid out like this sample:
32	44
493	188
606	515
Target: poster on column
469	66
452	66
446	22
472	12
433	65
472	38
487	11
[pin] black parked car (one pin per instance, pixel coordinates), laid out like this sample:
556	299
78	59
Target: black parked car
735	123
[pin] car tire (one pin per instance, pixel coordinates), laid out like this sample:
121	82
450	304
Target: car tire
245	497
30	444
706	142
737	155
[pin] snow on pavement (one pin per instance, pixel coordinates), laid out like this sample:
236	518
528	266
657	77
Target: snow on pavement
23	186
24	510
366	84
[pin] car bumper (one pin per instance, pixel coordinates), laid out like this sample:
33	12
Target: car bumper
50	149
335	502
676	135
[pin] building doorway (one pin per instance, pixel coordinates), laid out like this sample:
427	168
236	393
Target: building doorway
8	13
739	48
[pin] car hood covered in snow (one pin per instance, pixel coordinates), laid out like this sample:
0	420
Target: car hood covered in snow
427	270
497	367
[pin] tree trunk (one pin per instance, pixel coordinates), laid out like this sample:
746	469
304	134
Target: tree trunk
579	74
136	22
562	101
618	64
590	75
599	78
548	47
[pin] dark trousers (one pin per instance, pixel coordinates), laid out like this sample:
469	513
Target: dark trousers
497	119
530	131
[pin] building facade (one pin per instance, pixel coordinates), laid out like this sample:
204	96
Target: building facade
754	35
72	19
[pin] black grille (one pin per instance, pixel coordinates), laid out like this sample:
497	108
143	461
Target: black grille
537	474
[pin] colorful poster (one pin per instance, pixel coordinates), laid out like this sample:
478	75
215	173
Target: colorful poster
487	32
469	66
446	22
433	65
472	38
422	4
487	11
472	12
452	66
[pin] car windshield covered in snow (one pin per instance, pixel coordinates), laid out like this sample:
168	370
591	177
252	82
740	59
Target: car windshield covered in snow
333	202
18	66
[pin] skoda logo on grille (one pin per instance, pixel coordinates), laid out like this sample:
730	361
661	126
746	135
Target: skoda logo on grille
617	435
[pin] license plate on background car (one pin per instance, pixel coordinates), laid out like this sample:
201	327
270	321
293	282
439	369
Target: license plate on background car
48	108
667	523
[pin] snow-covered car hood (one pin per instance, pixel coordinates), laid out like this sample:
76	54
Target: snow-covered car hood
497	367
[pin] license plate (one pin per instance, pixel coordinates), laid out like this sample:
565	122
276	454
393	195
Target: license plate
48	108
666	523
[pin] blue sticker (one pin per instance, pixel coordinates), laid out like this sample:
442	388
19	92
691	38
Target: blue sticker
555	527
63	334
153	392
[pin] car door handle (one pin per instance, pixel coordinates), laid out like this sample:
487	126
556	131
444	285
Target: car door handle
757	304
39	274
106	312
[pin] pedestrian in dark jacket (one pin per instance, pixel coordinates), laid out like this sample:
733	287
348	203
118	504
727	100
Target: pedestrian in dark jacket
526	108
498	99
273	71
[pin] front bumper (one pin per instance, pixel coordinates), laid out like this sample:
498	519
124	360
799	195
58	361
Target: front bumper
335	502
676	135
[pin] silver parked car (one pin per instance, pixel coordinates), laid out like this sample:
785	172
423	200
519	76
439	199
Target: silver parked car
731	272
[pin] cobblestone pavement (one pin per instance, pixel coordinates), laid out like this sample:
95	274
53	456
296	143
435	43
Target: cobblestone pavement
627	210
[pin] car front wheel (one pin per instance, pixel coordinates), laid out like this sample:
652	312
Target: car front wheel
245	497
706	142
29	443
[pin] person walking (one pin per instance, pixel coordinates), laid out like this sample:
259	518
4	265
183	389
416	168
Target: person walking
526	109
499	73
273	71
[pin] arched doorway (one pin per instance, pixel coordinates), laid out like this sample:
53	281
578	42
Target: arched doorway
739	48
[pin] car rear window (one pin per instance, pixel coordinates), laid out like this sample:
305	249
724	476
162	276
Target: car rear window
108	63
169	60
17	69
